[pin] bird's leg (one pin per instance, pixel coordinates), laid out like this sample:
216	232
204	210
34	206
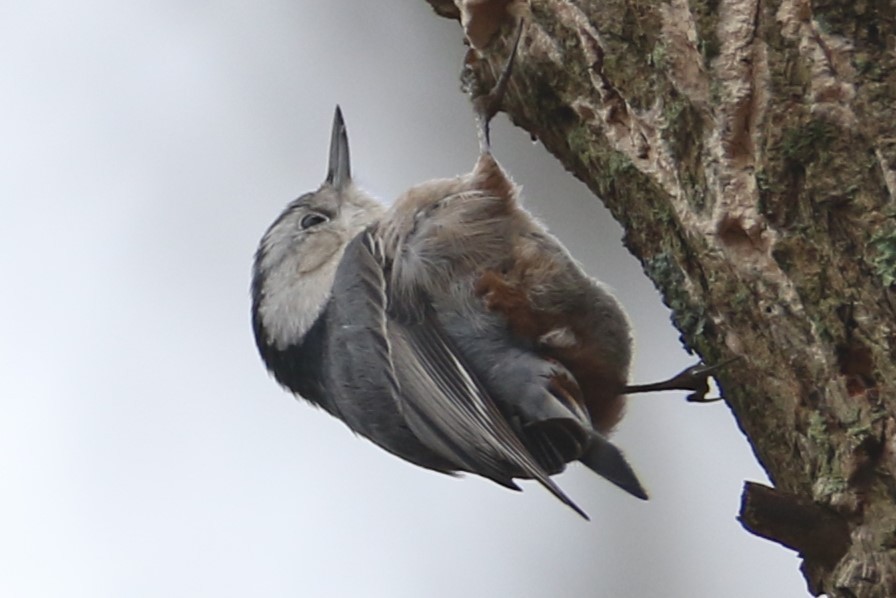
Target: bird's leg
695	378
486	105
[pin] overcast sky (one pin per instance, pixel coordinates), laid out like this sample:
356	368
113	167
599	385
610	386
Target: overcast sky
144	451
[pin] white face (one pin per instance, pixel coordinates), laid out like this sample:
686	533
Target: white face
299	254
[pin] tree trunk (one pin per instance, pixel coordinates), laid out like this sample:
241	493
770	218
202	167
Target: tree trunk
749	150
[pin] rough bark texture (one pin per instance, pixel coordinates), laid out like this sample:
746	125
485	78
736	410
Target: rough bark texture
749	149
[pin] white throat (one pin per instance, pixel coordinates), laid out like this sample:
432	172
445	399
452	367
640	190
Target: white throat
298	274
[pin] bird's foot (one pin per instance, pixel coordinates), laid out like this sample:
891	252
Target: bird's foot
487	104
694	378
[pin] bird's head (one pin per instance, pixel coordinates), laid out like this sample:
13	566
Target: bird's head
297	257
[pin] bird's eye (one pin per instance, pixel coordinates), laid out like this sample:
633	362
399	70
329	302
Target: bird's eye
312	219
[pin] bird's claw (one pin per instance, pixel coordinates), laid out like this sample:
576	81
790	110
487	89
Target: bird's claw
694	378
487	104
699	397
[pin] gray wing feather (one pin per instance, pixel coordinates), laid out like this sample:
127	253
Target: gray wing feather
403	384
445	404
359	376
441	399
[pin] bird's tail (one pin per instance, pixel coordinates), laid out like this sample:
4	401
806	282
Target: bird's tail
603	458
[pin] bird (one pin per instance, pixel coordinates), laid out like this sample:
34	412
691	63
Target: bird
451	328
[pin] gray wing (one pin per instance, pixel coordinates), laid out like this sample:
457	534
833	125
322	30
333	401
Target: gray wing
359	378
448	409
441	400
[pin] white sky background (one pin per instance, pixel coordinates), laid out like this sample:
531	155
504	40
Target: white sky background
143	449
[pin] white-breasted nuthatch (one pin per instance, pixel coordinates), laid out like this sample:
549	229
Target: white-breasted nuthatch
451	329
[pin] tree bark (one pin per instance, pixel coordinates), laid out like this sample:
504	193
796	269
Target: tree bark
748	148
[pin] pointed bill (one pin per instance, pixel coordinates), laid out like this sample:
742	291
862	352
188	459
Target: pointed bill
339	173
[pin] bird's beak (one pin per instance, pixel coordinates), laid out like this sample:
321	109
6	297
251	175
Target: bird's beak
339	173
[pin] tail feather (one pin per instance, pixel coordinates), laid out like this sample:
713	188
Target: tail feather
555	442
603	458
